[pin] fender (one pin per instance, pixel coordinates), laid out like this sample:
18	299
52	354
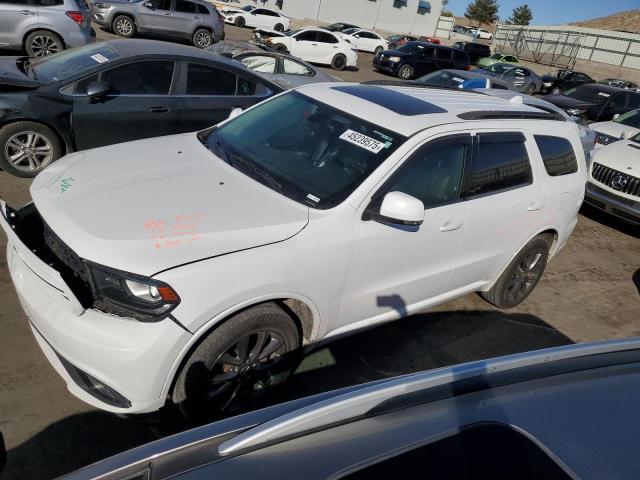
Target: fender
18	116
222	316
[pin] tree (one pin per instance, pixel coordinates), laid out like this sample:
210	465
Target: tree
521	16
482	11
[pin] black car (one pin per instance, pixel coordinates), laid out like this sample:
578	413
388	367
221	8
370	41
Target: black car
415	59
560	80
111	92
616	82
596	102
340	27
475	51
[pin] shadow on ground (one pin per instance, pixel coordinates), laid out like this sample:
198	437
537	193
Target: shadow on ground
416	343
610	221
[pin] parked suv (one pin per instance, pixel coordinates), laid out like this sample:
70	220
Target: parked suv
44	27
194	20
188	266
476	51
415	59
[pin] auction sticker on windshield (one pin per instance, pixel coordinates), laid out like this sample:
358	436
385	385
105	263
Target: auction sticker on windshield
362	141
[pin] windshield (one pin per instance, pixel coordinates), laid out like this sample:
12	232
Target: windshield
349	31
558	73
411	47
442	79
496	56
71	62
587	94
315	154
498	68
248	8
630	119
292	32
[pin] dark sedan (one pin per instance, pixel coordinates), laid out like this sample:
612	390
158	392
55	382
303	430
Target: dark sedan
340	27
415	59
559	81
616	82
113	92
596	102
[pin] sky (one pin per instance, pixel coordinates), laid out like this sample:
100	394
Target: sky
555	11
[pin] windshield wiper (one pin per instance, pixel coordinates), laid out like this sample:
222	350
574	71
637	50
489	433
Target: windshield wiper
254	168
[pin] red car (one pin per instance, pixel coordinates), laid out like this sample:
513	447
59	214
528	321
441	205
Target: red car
397	40
430	40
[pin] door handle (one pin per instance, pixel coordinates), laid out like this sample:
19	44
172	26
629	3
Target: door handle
450	226
534	207
27	12
159	109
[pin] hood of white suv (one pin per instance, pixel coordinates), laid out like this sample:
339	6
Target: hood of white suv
623	156
154	204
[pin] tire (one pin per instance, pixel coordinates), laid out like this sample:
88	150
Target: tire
279	27
239	22
281	48
521	276
42	43
555	91
378	51
198	397
531	89
392	46
339	62
123	26
202	38
405	72
26	148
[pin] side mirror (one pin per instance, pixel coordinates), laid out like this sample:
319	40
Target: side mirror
627	134
97	90
148	5
616	116
356	36
235	112
399	208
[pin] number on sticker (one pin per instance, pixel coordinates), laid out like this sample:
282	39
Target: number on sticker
362	141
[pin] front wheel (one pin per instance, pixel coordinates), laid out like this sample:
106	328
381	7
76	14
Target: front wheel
123	26
42	43
279	27
405	72
531	89
26	148
236	362
378	51
339	62
239	22
521	276
202	38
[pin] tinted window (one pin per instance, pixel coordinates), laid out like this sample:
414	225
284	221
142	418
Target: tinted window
502	163
14	2
308	36
433	174
161	4
634	100
581	78
326	38
246	87
46	3
367	35
619	100
202	9
140	78
204	80
460	57
509	58
443	54
557	154
185	7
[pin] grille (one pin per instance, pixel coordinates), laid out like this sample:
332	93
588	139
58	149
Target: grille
620	181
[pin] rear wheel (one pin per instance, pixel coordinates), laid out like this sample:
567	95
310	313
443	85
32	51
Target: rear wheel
202	38
378	51
339	62
236	362
279	27
239	22
521	276
405	72
531	89
42	43
123	26
27	147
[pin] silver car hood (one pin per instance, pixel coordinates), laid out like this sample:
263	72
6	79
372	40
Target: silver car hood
154	204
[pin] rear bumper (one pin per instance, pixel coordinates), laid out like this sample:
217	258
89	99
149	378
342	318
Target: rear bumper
79	37
627	210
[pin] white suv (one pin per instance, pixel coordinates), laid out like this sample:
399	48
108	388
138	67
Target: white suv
185	267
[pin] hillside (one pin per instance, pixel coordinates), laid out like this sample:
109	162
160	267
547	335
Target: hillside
629	21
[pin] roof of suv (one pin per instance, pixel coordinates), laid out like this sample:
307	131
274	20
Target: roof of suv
407	110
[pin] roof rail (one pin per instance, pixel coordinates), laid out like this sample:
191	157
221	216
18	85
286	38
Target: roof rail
509	114
354	405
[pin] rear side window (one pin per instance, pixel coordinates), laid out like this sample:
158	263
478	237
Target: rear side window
185	7
557	154
202	9
140	78
205	80
308	36
443	54
502	163
460	57
326	38
43	3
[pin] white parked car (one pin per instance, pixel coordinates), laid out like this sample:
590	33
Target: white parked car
365	40
622	127
614	180
482	33
189	273
315	45
257	18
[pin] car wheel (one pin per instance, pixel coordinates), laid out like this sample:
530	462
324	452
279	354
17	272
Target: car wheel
279	27
202	38
378	51
339	62
27	147
236	362
392	46
281	48
521	276
42	43
405	72
531	89
555	91
123	26
239	22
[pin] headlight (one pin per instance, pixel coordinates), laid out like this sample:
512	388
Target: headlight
547	84
394	59
102	5
576	111
129	295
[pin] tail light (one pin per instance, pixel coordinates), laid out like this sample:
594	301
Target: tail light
77	17
468	68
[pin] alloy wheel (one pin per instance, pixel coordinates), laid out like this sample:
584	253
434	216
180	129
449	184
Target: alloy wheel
28	151
124	27
203	39
43	45
525	276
